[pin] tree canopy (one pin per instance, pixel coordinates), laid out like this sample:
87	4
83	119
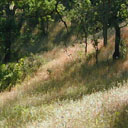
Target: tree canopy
18	19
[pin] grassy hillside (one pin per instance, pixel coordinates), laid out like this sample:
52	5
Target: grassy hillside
33	55
71	91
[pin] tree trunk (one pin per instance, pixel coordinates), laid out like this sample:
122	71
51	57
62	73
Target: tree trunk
97	51
105	33
8	33
86	44
86	37
105	21
7	47
7	52
95	44
116	54
60	16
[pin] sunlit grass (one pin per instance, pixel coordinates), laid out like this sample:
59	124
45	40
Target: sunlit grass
68	91
80	94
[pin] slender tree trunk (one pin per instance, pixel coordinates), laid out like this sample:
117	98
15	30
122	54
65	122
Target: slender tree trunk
8	44
95	44
47	26
97	51
7	51
116	54
86	44
105	33
86	38
8	33
105	22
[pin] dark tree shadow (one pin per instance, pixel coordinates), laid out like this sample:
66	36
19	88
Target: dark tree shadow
29	44
64	37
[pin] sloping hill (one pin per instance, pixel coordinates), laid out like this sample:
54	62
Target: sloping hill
107	109
71	91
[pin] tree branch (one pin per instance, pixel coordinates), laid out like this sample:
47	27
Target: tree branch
61	18
124	25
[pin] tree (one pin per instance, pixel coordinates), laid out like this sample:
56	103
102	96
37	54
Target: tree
112	14
102	8
10	25
118	14
80	16
18	15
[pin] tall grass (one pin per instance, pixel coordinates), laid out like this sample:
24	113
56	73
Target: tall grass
82	94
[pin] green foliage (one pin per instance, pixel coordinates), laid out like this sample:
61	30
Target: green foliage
24	20
10	74
13	73
17	17
123	49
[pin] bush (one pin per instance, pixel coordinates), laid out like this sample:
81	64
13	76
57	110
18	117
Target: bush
13	73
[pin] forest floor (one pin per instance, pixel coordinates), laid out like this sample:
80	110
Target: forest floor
70	91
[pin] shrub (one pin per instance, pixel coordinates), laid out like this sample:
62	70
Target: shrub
13	73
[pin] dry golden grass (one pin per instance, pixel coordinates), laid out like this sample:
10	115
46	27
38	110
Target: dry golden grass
70	92
55	65
98	110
